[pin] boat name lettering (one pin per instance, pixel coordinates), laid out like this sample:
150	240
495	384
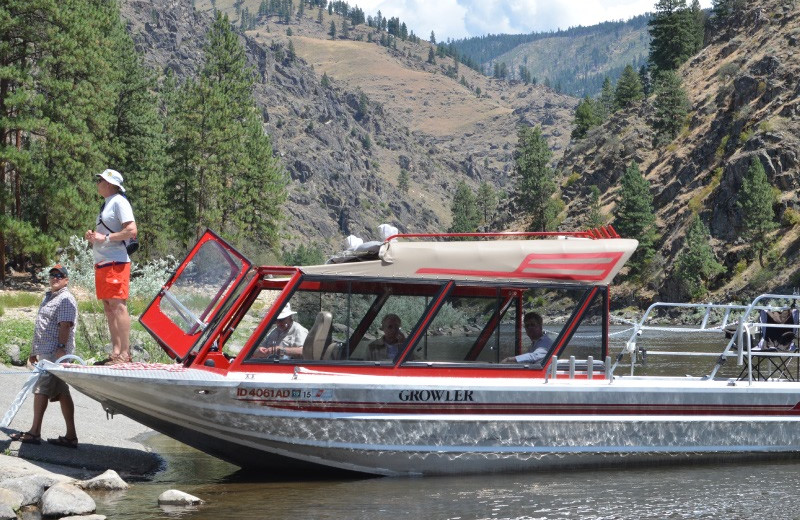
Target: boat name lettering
273	392
436	395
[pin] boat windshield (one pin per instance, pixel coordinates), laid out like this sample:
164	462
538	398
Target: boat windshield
424	323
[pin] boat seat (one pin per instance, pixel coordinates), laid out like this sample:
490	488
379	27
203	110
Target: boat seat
319	336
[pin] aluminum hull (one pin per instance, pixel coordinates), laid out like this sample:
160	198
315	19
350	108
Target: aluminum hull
434	426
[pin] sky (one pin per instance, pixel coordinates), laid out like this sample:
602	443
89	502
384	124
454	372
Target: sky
465	18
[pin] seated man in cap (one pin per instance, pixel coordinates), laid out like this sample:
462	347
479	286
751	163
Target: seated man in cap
53	337
286	339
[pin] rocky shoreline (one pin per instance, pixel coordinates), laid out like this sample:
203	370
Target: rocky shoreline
48	481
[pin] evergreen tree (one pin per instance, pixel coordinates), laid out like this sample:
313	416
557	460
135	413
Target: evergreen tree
595	217
696	264
634	216
432	38
319	16
403	181
644	78
59	83
487	202
698	25
140	150
431	56
325	82
673	35
464	210
588	114
607	98
332	30
755	199
629	88
535	186
224	175
671	106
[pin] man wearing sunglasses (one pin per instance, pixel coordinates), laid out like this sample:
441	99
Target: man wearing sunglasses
112	265
53	337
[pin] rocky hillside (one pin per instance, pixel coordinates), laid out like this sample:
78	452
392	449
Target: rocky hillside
383	110
744	102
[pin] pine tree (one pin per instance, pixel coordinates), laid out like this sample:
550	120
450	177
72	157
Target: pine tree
696	264
588	114
629	88
607	98
595	217
671	106
698	25
140	151
535	186
464	210
644	78
223	174
673	35
403	181
756	199
487	202
431	56
332	30
325	82
634	216
432	38
58	85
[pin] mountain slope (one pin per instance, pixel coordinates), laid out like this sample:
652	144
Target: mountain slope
345	151
744	103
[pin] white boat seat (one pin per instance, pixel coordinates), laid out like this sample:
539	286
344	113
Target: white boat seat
319	336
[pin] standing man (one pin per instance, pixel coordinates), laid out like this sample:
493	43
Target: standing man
540	341
112	266
53	337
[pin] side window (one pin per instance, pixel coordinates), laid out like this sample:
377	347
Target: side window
249	322
587	338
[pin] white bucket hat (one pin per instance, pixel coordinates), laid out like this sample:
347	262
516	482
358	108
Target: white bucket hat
286	312
112	177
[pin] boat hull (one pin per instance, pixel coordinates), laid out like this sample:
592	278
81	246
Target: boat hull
313	421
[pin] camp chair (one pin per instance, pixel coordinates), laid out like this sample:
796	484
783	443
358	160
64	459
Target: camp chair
776	338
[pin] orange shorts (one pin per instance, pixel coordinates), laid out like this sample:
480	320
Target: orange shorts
112	281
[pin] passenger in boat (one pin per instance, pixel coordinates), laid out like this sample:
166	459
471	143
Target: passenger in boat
112	266
391	344
53	337
540	341
286	339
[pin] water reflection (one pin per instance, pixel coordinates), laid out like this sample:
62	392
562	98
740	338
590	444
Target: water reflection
743	490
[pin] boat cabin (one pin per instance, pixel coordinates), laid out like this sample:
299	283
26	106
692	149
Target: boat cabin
459	302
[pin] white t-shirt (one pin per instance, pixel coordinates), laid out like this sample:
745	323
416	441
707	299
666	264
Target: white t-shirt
116	211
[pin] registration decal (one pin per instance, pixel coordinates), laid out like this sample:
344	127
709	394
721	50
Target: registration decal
247	394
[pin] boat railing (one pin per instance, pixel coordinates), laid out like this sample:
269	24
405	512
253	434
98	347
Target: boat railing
739	331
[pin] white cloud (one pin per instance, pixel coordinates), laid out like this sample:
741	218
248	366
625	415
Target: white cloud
464	18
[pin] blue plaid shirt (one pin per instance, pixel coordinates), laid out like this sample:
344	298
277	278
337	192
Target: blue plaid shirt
55	308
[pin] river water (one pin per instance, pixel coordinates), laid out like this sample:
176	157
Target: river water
741	490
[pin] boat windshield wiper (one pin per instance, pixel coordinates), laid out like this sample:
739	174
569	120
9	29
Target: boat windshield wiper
187	315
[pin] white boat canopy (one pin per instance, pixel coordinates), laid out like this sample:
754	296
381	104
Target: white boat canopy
586	261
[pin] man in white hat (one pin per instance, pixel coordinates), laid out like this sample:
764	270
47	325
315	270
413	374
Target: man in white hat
286	339
112	265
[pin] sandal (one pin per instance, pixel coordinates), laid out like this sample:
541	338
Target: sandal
65	442
120	360
26	438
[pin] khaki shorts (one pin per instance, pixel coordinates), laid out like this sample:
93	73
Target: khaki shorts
50	385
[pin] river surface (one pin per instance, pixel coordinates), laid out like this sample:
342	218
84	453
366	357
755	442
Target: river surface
741	490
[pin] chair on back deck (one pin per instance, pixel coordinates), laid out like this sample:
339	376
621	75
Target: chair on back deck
774	340
319	336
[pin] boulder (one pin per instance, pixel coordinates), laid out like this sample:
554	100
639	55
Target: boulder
6	513
108	481
66	499
31	487
13	353
174	497
10	498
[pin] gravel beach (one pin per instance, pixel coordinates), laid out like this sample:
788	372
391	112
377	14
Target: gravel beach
104	443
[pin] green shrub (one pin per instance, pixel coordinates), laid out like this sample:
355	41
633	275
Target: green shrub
790	218
572	179
741	266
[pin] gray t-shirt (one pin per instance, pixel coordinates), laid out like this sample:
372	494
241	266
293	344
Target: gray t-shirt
116	211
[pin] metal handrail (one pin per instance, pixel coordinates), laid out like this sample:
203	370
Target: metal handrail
741	339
